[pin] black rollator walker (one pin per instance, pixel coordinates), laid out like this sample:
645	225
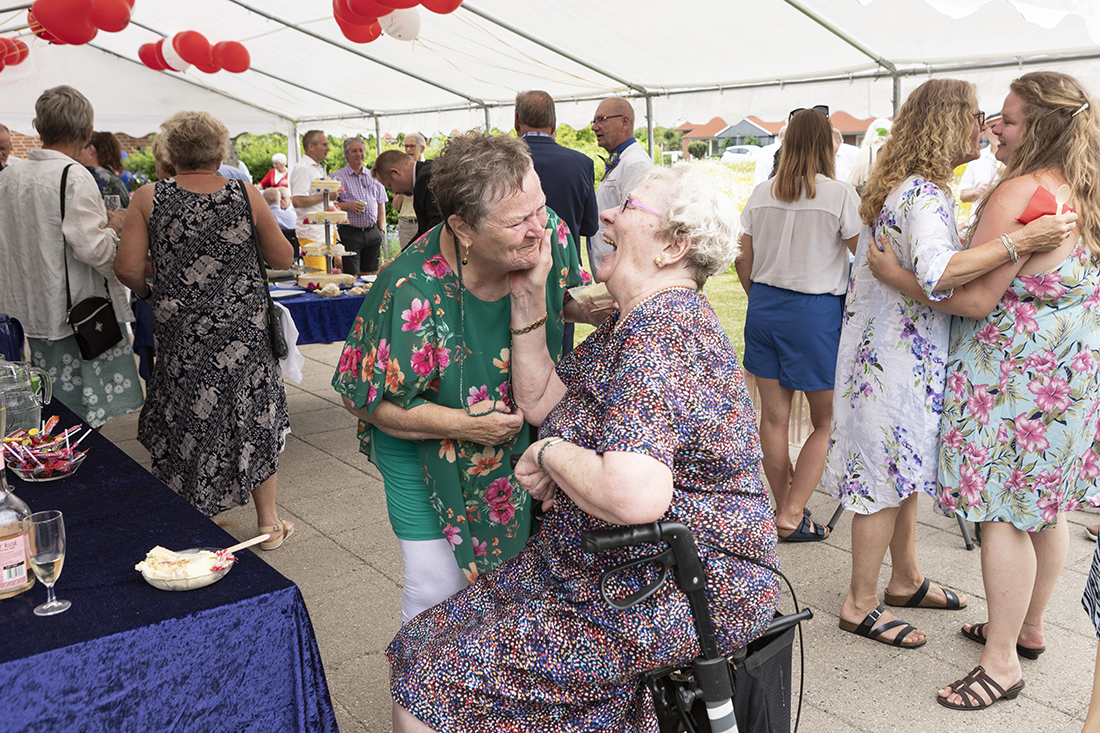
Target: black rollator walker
677	694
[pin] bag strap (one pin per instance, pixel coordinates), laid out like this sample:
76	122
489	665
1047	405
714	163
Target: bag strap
64	244
255	234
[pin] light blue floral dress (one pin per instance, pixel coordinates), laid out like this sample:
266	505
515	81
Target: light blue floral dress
890	363
1020	421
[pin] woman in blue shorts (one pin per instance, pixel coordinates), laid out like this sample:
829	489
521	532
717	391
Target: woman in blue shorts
798	230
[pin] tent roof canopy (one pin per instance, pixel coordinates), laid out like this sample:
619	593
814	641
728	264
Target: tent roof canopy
692	58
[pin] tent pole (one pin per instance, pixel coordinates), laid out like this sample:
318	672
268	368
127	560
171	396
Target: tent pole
292	146
649	124
897	93
488	127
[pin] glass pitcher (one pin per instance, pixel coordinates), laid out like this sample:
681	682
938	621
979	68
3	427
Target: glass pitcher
25	388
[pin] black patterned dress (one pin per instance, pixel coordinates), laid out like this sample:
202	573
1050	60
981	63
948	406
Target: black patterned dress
215	414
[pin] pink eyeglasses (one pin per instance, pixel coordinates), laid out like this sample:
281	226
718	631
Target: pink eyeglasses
632	203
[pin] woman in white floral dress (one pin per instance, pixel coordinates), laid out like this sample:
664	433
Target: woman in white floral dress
893	348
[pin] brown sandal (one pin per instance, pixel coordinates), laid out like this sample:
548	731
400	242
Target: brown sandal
970	699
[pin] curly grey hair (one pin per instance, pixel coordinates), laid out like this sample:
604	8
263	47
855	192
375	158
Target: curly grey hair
699	211
195	140
475	171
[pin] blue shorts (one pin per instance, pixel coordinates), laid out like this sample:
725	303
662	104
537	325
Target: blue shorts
793	337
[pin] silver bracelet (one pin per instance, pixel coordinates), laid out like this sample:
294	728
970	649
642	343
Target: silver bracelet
542	449
1007	242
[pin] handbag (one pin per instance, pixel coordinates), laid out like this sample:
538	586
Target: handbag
275	336
92	319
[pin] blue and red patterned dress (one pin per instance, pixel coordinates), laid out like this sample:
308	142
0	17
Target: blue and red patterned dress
531	646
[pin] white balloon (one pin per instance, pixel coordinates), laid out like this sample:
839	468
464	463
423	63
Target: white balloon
175	63
403	24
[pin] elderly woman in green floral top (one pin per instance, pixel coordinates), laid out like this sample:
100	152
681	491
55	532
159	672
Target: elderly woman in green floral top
426	367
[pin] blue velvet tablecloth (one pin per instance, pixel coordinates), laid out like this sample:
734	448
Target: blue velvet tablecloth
322	320
238	655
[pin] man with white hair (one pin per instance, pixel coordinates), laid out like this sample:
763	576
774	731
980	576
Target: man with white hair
627	166
406	213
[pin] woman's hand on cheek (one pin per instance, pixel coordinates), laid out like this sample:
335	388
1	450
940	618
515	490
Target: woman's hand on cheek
533	280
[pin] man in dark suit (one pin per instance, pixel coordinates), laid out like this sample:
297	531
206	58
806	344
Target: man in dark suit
5	146
567	176
401	174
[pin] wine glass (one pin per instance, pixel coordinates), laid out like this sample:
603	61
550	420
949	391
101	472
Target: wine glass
112	202
46	535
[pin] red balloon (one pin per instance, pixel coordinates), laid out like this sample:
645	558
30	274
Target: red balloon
213	68
38	30
193	48
150	56
360	33
66	20
399	4
158	54
16	51
369	8
341	11
441	6
111	15
232	56
130	3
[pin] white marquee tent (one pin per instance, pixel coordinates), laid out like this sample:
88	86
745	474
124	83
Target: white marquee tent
678	59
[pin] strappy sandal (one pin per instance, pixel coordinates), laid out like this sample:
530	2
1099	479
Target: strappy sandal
920	600
867	629
807	531
970	699
977	633
284	530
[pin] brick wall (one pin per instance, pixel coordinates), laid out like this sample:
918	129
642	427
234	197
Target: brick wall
21	144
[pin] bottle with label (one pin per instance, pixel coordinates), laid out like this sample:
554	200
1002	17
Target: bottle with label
15	576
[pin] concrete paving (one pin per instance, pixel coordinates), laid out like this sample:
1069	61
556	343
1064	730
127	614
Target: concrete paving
346	561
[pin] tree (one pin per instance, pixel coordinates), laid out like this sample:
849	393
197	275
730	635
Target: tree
698	150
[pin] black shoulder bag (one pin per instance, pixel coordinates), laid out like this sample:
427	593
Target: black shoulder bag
274	329
92	319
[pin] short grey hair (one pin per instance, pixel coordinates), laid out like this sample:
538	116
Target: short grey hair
476	171
278	158
195	140
701	212
63	115
348	143
535	108
417	138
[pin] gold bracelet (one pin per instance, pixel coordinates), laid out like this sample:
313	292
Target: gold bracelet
528	329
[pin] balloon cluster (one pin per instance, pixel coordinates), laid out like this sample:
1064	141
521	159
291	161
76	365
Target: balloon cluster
12	52
190	48
362	21
77	21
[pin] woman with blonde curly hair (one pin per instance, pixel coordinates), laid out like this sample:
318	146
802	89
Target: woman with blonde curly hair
893	347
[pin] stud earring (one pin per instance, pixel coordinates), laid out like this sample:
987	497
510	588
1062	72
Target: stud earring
658	261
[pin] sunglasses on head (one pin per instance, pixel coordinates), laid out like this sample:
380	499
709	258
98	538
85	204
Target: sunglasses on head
822	108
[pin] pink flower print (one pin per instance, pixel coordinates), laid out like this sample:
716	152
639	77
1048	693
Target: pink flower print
1002	434
453	535
947	498
956	382
1017	481
423	361
952	439
1010	300
501	513
350	360
978	453
971	485
1051	393
980	403
563	233
480	548
1008	370
1090	465
1091	302
990	335
416	314
383	354
1047	286
1071	506
586	277
499	491
1083	362
443	357
1051	478
1031	434
437	267
477	394
1050	505
1025	318
485	462
1041	361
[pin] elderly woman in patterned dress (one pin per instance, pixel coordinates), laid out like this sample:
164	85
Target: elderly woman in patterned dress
648	419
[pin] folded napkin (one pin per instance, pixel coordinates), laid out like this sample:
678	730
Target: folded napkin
291	365
1042	203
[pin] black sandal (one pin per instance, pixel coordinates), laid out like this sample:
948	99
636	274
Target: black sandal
867	629
976	632
917	599
970	699
807	531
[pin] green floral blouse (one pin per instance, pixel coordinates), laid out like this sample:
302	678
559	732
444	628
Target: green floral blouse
407	346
